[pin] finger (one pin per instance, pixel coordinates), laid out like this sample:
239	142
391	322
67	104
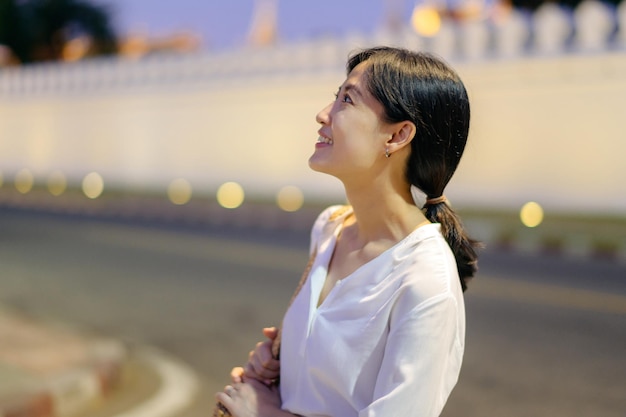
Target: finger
264	360
229	390
268	369
272	365
225	400
251	373
264	363
236	374
260	354
263	353
265	377
270	332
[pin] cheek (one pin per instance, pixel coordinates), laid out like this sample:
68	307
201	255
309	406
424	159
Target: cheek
358	136
359	152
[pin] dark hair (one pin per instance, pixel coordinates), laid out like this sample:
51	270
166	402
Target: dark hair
423	89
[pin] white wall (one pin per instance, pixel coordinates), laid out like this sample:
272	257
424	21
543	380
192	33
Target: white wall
547	129
544	128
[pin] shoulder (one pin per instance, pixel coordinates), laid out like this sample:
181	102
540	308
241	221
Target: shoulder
426	267
330	215
428	282
327	221
333	213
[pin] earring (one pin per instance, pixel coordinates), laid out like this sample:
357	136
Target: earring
387	154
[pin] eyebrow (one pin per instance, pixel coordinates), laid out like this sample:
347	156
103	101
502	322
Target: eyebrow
353	87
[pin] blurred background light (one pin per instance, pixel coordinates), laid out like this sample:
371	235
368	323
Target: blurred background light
531	214
93	185
57	183
426	20
230	195
179	191
76	49
290	198
135	46
24	181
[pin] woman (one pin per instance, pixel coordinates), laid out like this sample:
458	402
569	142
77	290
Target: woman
378	327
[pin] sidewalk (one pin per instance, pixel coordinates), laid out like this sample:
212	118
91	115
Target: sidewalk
50	370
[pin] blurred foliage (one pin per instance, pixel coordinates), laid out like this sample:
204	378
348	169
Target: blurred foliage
39	30
533	5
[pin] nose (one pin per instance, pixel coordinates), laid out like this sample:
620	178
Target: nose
324	115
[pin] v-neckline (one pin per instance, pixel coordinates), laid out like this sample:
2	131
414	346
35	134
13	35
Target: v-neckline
333	246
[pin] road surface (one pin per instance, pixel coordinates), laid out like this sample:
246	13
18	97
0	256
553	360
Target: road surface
545	336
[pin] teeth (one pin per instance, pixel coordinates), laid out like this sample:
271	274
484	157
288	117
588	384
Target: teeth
322	139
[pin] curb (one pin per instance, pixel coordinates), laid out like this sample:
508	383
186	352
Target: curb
178	386
68	392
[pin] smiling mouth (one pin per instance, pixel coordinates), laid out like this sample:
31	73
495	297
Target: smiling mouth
321	139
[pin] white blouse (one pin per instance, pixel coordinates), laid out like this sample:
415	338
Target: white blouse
388	339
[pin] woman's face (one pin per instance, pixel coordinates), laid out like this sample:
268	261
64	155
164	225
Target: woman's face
352	135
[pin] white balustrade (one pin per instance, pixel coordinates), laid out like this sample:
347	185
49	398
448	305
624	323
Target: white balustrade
474	39
594	23
511	34
552	28
593	26
445	41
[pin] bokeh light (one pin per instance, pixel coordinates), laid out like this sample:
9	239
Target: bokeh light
290	198
75	49
179	191
426	21
93	185
531	214
24	181
57	183
230	195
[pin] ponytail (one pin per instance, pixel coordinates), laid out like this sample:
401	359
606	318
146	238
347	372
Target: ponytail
423	89
463	247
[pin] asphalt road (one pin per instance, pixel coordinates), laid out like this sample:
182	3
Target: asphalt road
545	336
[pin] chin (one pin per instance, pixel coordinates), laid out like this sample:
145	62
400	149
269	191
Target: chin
316	166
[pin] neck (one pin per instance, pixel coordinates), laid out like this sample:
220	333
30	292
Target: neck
384	212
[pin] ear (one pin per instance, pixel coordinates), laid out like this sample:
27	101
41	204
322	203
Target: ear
402	135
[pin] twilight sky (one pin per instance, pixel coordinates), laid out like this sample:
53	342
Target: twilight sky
224	23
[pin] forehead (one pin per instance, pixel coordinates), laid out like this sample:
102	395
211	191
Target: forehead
358	77
357	82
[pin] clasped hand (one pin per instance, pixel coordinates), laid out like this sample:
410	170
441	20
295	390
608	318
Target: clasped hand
252	392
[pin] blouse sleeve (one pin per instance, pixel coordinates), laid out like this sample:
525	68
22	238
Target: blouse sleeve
422	361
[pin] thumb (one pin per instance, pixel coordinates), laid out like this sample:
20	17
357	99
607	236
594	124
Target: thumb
270	332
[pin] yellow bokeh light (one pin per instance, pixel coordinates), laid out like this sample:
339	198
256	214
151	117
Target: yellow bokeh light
93	185
24	181
179	191
290	198
57	183
230	195
531	214
426	21
76	49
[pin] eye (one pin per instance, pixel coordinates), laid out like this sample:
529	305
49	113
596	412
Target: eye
343	97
